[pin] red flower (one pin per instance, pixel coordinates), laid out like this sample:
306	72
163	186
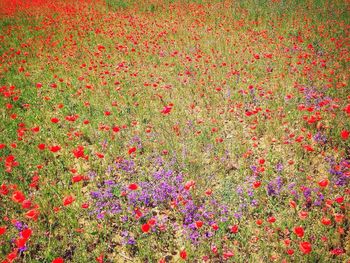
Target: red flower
190	184
326	221
68	200
228	254
3	189
58	260
215	227
271	219
131	150
338	218
100	259
152	222
21	242
12	255
166	110
208	192
41	146
116	129
18	197
26	233
290	251
323	183
183	254
77	178
79	152
303	214
133	187
339	199
261	161
344	134
256	184
337	251
32	214
305	247
299	231
234	229
55	120
199	224
2	230
55	148
100	155
145	228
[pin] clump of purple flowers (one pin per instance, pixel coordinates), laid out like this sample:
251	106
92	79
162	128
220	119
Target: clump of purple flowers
162	195
274	187
340	171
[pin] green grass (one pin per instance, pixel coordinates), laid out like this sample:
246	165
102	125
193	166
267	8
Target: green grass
200	57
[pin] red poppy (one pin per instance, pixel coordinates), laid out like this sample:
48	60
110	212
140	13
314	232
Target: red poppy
261	161
299	231
100	155
183	254
303	214
85	206
145	228
41	146
326	221
116	129
100	259
338	218
55	120
26	233
79	152
290	251
337	251
199	224
55	148
208	192
305	247
339	199
12	255
77	178
131	150
20	242
152	222
323	183
58	260
256	184
344	134
166	110
214	227
271	219
190	184
227	254
2	230
68	200
18	197
234	229
133	187
3	189
32	214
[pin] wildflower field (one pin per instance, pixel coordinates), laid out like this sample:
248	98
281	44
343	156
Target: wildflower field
174	131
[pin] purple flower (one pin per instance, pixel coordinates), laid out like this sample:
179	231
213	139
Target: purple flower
274	187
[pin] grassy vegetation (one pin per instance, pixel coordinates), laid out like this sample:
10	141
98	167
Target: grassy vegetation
170	131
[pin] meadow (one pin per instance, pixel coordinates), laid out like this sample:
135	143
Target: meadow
174	131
